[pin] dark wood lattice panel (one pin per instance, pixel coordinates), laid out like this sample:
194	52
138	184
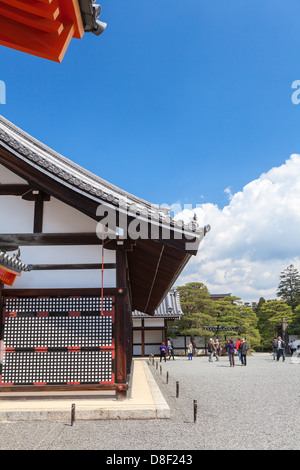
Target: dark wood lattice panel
57	341
25	331
58	304
57	367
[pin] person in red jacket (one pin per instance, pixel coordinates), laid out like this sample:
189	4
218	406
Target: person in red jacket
238	348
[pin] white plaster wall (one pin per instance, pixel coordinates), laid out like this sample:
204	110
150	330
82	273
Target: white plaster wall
153	336
137	350
61	218
66	254
8	177
16	215
154	322
152	350
137	336
65	279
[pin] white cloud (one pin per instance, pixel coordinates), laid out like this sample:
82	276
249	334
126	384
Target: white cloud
253	238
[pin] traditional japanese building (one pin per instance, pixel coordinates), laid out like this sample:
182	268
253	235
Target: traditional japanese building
78	255
45	28
150	330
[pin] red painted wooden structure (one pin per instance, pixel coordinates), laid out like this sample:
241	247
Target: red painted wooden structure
43	28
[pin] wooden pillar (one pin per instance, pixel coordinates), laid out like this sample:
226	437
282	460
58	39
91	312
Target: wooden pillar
38	213
143	337
165	331
121	323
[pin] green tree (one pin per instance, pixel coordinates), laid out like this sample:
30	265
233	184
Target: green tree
289	286
197	306
257	305
294	327
232	313
229	313
270	317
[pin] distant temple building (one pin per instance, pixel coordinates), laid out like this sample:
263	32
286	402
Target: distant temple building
149	331
79	258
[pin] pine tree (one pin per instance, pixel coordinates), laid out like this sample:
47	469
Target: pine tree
197	308
289	286
201	313
270	317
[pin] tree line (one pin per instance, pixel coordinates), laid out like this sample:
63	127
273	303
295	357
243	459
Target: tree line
229	317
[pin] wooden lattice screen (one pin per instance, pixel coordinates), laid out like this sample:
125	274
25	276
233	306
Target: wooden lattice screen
57	341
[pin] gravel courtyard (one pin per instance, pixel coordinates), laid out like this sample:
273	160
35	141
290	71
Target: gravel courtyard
254	407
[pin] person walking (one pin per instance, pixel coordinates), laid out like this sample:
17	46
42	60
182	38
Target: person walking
237	345
244	349
218	349
275	348
163	352
190	351
231	348
293	348
170	349
211	349
280	349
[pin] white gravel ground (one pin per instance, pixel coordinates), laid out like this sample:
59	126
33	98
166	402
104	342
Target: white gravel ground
254	407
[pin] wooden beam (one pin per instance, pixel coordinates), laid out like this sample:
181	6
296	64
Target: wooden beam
35	7
59	388
29	19
49	239
94	291
39	27
62	267
14	189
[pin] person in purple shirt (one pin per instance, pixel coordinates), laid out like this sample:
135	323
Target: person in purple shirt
163	351
231	349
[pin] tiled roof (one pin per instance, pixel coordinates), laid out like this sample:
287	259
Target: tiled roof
13	262
169	308
217	296
81	180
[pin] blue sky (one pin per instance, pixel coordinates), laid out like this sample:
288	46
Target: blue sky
189	102
176	101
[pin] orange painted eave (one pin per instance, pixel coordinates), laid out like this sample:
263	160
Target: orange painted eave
43	28
8	276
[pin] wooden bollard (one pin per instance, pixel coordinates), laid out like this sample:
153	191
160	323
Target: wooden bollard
195	410
177	389
160	369
72	414
167	377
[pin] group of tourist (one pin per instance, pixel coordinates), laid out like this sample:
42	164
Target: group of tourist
294	347
166	350
214	349
279	347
